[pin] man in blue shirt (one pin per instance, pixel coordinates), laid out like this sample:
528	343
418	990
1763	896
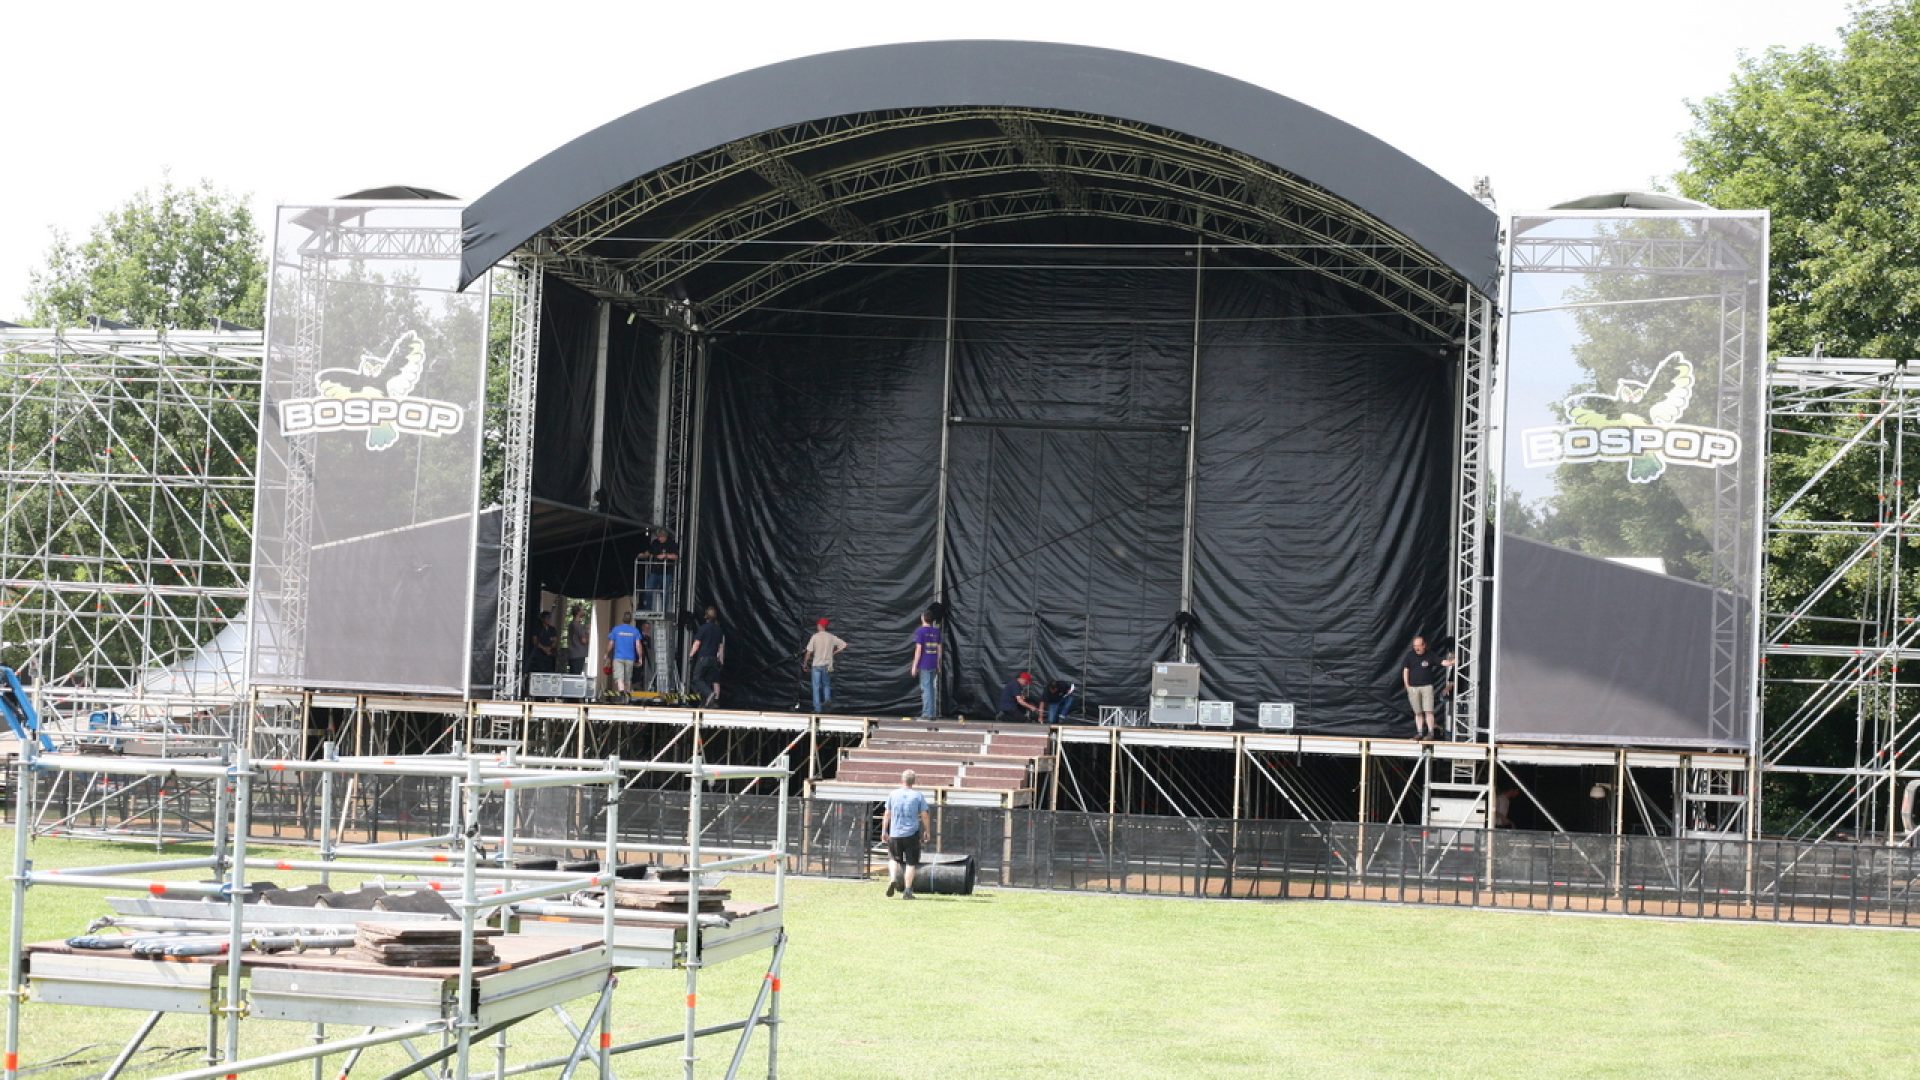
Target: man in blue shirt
903	824
623	648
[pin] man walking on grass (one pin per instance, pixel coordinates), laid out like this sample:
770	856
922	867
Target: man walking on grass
903	824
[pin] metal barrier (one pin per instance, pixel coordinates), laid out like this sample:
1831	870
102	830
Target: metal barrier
1722	878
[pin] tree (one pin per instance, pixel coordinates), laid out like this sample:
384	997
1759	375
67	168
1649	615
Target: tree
170	257
1828	140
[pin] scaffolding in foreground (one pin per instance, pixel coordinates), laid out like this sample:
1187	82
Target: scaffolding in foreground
238	959
126	521
1843	723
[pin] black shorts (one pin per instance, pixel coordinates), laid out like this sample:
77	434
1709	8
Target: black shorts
904	849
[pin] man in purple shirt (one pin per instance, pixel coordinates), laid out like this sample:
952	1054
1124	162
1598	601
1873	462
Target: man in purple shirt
926	662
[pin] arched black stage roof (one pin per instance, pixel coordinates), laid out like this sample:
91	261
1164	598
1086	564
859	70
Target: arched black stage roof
819	161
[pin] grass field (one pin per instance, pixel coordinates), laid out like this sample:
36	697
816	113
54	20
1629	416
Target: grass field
1021	984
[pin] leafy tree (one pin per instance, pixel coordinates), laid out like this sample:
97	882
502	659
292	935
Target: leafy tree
1828	139
170	257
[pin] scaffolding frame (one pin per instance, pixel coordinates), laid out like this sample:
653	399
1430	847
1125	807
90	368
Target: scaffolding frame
462	850
1841	641
522	284
127	518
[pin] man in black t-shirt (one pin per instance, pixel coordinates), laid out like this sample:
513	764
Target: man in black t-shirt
546	642
1420	673
1015	706
708	653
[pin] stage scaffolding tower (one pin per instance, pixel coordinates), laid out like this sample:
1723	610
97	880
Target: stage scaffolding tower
128	514
1843	725
522	285
1470	516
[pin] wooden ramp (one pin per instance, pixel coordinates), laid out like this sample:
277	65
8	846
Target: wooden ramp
956	763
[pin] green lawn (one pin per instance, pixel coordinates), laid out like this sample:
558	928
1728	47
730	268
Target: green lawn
1021	984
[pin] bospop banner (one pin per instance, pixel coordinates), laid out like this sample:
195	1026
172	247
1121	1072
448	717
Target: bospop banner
370	430
1626	582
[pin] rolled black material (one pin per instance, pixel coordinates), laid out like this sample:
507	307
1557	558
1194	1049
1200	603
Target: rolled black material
946	874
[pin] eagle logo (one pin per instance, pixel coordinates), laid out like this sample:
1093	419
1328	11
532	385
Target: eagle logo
1639	424
1658	401
369	379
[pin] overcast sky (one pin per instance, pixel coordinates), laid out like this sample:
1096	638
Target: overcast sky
286	101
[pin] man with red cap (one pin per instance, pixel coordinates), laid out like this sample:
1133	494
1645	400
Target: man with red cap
821	648
1014	704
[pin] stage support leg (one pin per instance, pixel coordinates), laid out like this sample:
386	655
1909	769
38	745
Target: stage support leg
516	488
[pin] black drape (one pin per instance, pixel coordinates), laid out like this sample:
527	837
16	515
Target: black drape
1323	466
563	395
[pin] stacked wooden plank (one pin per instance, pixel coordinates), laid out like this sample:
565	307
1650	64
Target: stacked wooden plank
666	896
420	944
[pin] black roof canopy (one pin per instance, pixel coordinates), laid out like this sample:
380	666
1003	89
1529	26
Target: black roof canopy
729	193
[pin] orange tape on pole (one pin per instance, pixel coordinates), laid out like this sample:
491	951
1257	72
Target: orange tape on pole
690	1000
606	1040
13	1062
776	984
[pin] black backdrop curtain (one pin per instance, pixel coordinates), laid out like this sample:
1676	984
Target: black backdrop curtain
1323	464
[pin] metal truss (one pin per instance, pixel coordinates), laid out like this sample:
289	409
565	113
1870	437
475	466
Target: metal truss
129	490
1835	647
1731	693
1641	254
1470	517
381	242
522	284
1264	206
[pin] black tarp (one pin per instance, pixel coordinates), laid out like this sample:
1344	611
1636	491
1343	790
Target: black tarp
632	417
822	467
379	622
563	394
1568	674
1323	483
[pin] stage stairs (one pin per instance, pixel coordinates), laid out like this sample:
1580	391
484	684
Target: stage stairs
957	763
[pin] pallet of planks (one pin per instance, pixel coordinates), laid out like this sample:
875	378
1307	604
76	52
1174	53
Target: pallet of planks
420	945
666	896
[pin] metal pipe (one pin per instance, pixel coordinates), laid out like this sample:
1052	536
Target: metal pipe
89	881
156	867
946	436
637	765
396	846
543	780
468	908
780	836
492	872
767	855
133	1045
289	1057
538	892
760	1003
242	817
636	847
329	751
21	880
694	791
123	766
1191	481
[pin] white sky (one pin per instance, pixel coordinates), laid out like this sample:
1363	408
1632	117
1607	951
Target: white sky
285	101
